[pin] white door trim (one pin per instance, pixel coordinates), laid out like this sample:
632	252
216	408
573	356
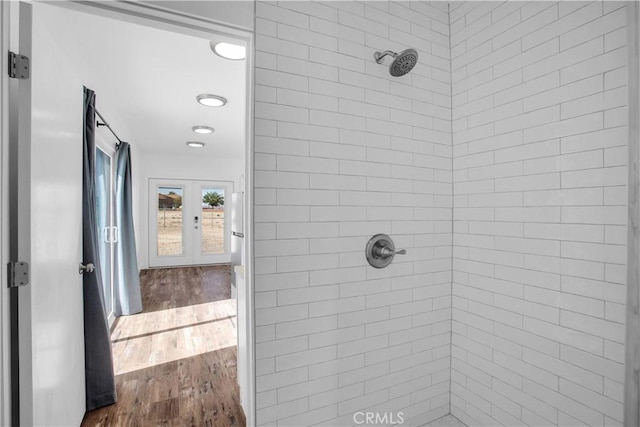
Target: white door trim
632	347
159	17
18	146
5	371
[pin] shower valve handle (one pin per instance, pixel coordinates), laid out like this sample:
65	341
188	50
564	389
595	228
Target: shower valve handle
384	251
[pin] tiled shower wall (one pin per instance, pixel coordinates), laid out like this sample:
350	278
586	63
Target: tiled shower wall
540	152
344	151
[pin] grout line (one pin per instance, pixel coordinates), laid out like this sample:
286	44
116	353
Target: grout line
452	203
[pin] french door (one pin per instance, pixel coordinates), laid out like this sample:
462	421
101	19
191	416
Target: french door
187	222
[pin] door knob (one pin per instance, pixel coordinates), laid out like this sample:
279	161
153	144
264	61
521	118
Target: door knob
89	268
381	250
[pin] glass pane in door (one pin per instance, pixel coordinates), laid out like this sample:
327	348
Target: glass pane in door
170	222
103	213
212	225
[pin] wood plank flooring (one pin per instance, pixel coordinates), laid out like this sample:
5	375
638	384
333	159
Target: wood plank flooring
175	362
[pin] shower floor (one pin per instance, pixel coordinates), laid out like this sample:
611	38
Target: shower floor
446	421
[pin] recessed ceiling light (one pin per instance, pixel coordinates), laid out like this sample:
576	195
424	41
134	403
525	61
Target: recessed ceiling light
211	100
195	144
229	50
203	129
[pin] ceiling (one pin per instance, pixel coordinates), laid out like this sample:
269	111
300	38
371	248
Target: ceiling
146	82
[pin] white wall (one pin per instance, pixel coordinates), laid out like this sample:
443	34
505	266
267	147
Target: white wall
539	134
344	151
194	167
231	12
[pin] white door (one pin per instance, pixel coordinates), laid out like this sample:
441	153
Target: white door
48	223
187	223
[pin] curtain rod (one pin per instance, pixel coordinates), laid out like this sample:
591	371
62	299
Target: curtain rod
105	123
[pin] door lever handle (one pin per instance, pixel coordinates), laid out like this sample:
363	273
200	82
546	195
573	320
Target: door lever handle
89	268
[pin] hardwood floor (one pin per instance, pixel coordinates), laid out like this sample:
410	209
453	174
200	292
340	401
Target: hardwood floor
175	362
179	287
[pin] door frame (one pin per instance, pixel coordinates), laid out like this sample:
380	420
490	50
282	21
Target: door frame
160	17
632	342
16	215
5	356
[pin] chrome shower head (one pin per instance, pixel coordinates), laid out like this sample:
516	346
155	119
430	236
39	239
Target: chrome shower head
403	62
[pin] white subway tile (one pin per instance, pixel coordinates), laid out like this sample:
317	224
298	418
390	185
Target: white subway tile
564	335
597	364
528	56
584	414
529	88
308	38
306	262
564	93
616	117
281	247
532	20
289	230
266	350
615	195
564	59
281	213
596	65
597	327
595	400
563	128
307	197
595	28
609	176
616	78
269	316
593	140
337	182
305	358
269	10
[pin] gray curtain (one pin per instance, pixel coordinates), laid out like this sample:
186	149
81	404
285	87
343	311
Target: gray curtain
128	298
98	359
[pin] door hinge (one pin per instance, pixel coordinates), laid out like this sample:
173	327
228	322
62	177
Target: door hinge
18	66
18	274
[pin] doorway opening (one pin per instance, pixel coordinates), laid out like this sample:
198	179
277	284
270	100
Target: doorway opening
148	79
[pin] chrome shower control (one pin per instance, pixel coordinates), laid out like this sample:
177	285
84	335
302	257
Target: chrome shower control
381	250
384	252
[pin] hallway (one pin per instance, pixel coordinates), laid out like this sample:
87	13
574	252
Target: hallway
175	362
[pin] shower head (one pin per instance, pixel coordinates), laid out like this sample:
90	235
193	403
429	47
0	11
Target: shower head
403	62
